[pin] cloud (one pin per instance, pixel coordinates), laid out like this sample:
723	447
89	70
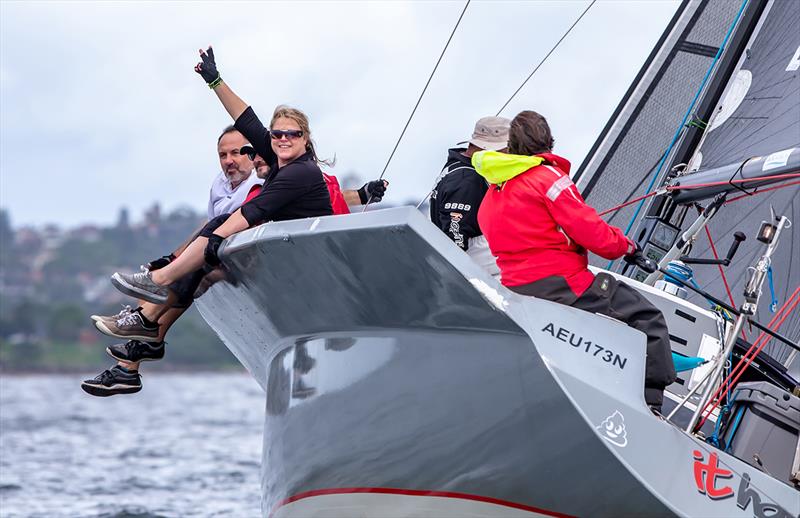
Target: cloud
99	106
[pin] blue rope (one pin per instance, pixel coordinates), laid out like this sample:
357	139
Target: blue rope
683	122
678	271
735	426
774	305
714	439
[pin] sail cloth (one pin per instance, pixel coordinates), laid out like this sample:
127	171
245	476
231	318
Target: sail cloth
622	161
763	119
759	116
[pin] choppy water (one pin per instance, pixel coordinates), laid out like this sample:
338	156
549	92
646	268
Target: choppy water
186	445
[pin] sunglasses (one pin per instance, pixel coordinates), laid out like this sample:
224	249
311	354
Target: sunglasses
289	134
249	151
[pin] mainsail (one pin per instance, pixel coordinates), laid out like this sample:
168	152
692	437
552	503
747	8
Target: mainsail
749	107
627	152
759	116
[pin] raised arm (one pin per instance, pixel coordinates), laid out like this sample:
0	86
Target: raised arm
207	68
245	119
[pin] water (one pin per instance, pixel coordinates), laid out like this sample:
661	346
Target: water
186	445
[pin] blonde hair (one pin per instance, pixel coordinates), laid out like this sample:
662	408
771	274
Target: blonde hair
287	112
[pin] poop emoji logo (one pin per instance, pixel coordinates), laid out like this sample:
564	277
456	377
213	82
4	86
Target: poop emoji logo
613	429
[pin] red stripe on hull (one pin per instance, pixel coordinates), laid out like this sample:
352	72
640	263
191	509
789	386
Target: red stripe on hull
415	492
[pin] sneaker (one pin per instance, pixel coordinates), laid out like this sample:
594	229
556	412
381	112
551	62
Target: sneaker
141	286
125	310
136	351
113	381
131	326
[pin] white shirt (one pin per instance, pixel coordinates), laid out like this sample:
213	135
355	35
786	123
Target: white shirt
223	199
480	253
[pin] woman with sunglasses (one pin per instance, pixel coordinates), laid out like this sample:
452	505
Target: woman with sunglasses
294	188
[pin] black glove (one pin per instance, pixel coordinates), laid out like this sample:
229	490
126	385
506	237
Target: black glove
637	259
372	190
212	249
207	67
157	264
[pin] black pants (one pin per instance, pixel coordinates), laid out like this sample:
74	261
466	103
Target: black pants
185	287
610	297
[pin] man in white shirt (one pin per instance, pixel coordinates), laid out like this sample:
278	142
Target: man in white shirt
146	335
230	187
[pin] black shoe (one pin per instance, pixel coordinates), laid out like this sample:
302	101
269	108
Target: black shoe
113	381
136	351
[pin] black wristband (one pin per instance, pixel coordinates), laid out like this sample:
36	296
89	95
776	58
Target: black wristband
362	194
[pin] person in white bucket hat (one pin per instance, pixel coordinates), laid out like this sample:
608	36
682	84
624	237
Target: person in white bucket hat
459	190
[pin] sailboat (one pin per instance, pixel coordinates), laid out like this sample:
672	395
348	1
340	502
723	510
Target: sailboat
401	379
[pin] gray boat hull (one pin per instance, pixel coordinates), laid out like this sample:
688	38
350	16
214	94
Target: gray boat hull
402	380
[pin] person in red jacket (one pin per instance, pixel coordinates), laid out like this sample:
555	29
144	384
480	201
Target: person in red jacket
540	230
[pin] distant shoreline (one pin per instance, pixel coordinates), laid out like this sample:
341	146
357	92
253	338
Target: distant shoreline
149	369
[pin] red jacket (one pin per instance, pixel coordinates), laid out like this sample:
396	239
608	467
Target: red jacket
337	198
537	223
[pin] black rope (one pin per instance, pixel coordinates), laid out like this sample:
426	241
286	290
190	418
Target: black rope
738	171
545	58
420	97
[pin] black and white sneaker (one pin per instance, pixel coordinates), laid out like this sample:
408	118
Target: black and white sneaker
132	325
113	381
135	351
141	286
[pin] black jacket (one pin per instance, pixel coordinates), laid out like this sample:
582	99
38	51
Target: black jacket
296	190
456	198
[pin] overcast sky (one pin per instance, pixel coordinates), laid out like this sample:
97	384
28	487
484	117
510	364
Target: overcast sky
100	107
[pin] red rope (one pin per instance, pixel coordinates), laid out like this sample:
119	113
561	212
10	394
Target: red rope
748	358
700	185
721	272
631	202
762	190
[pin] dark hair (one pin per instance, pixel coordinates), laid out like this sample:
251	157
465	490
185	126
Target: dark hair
529	134
228	129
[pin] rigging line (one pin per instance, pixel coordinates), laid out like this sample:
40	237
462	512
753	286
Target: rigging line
713	184
629	202
685	118
780	316
545	58
721	271
637	187
742	366
762	191
452	33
